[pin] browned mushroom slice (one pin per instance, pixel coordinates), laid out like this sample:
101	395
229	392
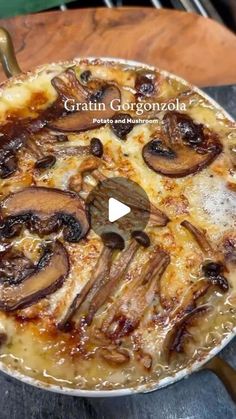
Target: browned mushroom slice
80	150
95	148
135	200
228	247
190	298
13	137
15	134
122	125
101	270
176	337
79	121
47	277
213	271
3	338
200	237
89	119
125	314
45	162
44	210
184	147
68	86
145	359
115	356
8	163
118	269
14	266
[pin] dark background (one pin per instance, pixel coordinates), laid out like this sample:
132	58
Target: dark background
201	396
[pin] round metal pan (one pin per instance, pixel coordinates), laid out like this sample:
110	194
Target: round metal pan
211	362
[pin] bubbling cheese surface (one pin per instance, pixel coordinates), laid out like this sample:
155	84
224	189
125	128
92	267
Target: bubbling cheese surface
74	358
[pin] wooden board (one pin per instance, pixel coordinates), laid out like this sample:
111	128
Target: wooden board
198	49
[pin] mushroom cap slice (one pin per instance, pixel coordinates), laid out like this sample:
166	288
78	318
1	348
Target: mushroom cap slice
182	148
175	338
78	121
68	86
200	237
44	210
84	120
48	276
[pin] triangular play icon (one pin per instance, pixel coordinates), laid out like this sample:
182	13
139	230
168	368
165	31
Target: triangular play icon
116	210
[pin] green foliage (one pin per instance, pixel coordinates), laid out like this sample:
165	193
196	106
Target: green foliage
21	7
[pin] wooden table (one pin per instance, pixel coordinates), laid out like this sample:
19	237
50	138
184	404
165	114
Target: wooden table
196	48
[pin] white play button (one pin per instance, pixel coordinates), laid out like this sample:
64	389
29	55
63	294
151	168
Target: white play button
116	210
113	206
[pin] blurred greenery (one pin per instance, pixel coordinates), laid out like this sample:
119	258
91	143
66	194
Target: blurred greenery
20	7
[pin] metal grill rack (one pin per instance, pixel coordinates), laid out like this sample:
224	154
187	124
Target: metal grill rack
223	11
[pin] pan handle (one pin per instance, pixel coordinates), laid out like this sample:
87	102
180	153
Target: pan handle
7	54
225	373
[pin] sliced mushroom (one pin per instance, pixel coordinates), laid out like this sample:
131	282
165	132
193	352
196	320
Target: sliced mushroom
125	314
69	150
101	270
157	218
141	237
15	134
89	119
145	83
200	237
8	163
76	182
213	271
122	125
47	277
85	76
68	86
45	162
44	210
176	337
182	148
96	147
117	271
228	247
136	201
33	146
190	298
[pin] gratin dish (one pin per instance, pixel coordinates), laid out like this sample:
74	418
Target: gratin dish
208	361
